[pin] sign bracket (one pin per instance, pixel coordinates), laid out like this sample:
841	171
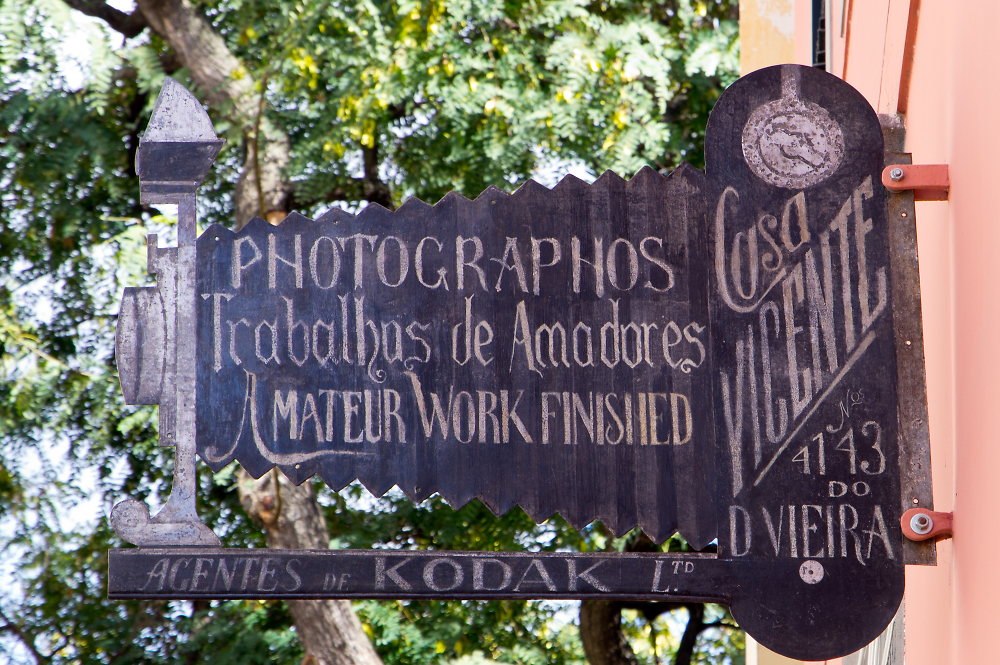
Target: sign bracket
916	488
929	182
920	524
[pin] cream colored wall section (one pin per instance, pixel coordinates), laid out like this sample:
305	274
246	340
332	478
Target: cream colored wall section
901	18
767	33
758	655
866	28
869	48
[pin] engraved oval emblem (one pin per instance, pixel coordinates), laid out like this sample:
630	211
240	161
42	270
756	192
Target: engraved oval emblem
790	142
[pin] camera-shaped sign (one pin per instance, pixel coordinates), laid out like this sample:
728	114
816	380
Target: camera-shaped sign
704	354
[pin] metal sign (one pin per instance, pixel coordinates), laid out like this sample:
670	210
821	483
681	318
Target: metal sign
542	348
712	355
231	573
805	362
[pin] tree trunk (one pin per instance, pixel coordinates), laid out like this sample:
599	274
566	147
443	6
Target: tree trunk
329	630
601	634
604	643
262	189
695	624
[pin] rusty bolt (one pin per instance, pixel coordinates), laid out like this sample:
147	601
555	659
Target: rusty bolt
921	523
896	174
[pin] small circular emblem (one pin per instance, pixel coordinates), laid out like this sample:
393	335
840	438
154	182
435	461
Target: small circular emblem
790	142
811	571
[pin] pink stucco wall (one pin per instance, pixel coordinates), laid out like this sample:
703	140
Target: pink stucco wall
930	625
935	61
972	87
950	118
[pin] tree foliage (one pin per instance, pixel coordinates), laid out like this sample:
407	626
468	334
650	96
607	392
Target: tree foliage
461	95
379	101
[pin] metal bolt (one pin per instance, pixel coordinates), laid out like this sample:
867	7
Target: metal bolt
921	523
896	174
811	572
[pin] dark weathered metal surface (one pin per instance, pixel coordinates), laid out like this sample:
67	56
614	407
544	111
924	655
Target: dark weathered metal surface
916	487
805	362
240	573
177	149
716	355
914	431
542	348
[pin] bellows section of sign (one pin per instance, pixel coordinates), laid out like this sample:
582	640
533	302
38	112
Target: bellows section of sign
546	348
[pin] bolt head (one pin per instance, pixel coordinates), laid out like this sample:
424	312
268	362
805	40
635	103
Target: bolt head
896	174
921	524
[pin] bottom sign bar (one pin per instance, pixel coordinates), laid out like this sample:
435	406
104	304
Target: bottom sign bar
792	606
240	573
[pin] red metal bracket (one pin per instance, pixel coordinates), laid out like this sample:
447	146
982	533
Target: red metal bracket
929	182
922	524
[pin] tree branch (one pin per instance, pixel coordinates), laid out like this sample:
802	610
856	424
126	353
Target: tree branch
695	624
376	191
650	609
9	627
329	630
604	643
352	190
128	25
721	624
255	138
